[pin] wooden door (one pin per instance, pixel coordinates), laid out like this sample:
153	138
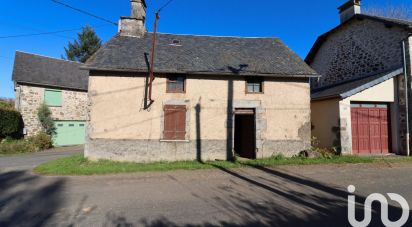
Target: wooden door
370	129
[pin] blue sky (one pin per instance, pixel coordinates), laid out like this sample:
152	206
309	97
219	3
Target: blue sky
297	22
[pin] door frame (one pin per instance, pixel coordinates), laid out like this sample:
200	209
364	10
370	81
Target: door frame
260	124
246	111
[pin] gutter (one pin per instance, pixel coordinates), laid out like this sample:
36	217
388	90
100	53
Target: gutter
406	97
202	73
21	82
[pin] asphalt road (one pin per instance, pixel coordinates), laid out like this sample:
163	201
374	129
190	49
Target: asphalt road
286	196
29	161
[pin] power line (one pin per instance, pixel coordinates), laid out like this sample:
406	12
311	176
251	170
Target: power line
85	12
164	6
42	33
36	34
25	27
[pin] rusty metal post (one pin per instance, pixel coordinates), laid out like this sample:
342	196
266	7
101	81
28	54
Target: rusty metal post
152	78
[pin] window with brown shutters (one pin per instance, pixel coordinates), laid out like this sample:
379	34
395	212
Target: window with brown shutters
174	122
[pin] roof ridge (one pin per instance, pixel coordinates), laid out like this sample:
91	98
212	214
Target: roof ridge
389	18
216	36
44	56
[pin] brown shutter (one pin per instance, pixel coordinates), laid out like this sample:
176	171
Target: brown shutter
174	122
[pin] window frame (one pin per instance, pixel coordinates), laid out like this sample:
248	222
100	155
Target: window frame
53	90
255	79
168	80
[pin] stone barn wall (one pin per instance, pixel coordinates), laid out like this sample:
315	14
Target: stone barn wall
29	98
359	48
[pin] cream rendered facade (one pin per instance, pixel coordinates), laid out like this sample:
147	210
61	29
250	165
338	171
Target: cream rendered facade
331	118
121	129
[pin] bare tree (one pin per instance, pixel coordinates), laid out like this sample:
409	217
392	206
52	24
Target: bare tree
402	12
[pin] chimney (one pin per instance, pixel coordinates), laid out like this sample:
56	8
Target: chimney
134	25
349	9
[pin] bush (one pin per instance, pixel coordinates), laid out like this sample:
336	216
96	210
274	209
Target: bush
41	141
17	146
11	123
324	152
36	143
6	104
45	117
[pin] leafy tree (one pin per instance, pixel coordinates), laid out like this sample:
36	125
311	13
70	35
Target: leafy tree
45	117
86	45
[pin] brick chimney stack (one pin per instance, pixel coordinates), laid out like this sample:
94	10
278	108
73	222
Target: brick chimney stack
349	9
134	25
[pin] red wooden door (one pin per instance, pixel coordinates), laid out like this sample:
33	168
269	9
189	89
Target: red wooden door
374	130
384	130
370	129
363	127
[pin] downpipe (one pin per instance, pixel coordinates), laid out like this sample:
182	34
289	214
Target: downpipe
406	81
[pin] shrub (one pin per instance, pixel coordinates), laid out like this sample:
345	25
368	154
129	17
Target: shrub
6	104
324	152
41	141
17	146
11	123
45	117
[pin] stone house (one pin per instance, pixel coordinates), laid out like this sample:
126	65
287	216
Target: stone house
360	104
212	97
61	85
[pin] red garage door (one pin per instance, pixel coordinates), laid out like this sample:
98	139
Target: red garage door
370	128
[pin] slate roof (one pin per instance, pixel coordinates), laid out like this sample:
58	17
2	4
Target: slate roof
349	88
200	55
390	21
46	71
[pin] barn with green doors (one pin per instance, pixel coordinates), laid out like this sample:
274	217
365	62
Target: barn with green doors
62	86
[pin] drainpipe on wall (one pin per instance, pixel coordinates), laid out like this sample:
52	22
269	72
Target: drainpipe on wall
405	74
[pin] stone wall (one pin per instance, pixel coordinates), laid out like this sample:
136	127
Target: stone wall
359	48
29	98
121	129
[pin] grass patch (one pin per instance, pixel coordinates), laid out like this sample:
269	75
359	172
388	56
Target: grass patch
78	165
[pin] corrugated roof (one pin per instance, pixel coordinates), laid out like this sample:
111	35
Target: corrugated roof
349	88
46	71
201	54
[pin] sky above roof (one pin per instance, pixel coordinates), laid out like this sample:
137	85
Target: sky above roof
296	22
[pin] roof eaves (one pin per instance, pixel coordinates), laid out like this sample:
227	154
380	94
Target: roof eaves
202	72
371	83
324	97
48	85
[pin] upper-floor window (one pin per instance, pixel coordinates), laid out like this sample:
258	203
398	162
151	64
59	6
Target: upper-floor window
176	84
254	85
53	97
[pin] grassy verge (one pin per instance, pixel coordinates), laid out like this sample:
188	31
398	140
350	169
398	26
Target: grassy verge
78	165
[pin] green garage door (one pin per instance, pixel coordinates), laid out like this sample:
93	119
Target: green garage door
70	133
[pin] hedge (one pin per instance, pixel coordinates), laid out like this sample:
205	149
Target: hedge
11	123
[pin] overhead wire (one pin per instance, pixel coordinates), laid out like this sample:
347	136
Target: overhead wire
84	12
46	33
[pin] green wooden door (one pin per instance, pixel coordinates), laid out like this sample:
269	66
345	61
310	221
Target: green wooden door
70	133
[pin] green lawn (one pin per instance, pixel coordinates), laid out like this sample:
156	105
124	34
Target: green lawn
78	165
